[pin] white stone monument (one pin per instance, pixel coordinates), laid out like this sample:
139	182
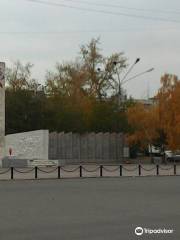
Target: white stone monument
28	145
2	110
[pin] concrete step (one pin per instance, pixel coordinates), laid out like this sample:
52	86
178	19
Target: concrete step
39	162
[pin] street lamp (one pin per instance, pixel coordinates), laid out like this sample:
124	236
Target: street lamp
139	74
131	68
120	82
123	80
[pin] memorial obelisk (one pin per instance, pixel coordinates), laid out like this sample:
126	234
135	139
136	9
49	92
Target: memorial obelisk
2	110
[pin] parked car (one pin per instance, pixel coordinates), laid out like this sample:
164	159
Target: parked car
155	151
171	156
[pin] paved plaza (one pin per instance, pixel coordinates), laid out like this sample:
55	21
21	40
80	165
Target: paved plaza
89	209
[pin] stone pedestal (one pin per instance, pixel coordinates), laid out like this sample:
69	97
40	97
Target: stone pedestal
2	110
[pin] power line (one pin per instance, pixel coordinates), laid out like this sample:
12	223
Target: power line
99	31
125	7
103	11
61	32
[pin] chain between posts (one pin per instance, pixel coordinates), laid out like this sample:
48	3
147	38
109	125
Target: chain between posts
43	171
166	169
111	170
148	170
130	170
6	171
87	170
66	170
19	171
139	167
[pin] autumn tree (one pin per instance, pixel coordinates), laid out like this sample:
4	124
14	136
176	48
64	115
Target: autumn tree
101	72
144	124
19	77
85	87
168	98
160	123
24	103
78	96
91	74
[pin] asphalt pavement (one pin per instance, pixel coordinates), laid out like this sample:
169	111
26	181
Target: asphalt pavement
89	209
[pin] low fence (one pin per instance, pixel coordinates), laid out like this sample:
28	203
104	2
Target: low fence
82	171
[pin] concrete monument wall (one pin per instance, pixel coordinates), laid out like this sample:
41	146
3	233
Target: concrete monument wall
28	145
2	110
86	148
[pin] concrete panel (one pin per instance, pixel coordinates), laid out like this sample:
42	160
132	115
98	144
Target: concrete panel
113	148
91	154
60	152
63	144
90	147
53	145
28	145
76	148
105	147
99	137
84	147
120	143
68	147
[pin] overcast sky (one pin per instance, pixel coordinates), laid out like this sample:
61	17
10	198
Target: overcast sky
45	34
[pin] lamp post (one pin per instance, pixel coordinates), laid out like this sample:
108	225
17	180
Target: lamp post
139	74
124	80
130	69
121	81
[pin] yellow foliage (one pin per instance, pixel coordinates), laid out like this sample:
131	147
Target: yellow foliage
164	116
144	121
169	109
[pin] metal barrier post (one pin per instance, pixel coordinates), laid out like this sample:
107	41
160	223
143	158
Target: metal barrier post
175	169
101	170
120	170
157	169
36	172
139	170
80	171
12	173
59	172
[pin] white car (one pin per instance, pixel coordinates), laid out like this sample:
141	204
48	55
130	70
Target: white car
172	156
